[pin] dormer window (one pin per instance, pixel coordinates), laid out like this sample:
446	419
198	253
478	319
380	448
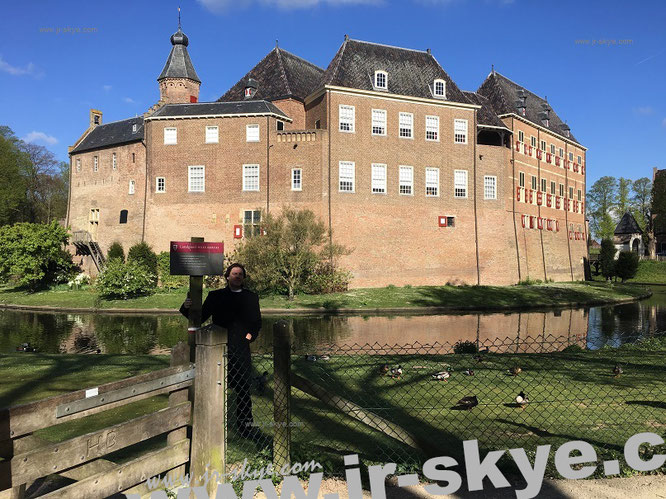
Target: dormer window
439	88
134	128
248	92
381	79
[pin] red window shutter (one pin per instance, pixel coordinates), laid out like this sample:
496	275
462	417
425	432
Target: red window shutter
540	222
549	200
548	157
238	231
557	225
557	160
522	220
518	193
517	145
531	222
442	221
539	153
539	198
193	98
531	196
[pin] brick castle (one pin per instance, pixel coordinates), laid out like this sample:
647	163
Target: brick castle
427	183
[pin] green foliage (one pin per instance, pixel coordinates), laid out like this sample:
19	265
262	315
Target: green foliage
465	347
166	280
144	255
116	251
623	192
626	265
607	258
601	198
293	246
12	184
326	278
528	281
125	280
32	255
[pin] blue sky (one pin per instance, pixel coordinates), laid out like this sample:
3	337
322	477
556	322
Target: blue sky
602	64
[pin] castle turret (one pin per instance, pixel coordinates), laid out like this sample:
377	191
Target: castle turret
178	81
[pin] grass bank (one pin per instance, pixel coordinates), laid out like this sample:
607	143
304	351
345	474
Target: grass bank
387	298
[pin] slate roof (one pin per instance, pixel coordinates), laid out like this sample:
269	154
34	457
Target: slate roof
503	94
218	108
627	225
111	134
410	72
486	115
179	64
279	75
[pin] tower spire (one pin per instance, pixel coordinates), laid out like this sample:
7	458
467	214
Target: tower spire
179	17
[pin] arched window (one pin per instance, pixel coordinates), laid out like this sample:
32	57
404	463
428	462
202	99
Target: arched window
439	88
123	216
381	80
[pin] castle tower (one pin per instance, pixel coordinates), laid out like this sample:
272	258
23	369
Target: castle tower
179	83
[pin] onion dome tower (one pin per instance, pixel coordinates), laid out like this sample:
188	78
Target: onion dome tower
178	81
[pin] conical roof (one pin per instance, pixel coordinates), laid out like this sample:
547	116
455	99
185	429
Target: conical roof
627	225
179	64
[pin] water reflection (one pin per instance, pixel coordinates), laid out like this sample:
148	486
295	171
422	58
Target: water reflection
534	331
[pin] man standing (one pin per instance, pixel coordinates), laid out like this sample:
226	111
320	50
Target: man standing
236	309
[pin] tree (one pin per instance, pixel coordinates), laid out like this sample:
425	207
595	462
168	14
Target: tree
640	209
293	244
116	251
601	199
143	254
40	173
607	258
623	195
626	265
12	186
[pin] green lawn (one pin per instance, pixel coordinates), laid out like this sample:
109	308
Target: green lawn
445	297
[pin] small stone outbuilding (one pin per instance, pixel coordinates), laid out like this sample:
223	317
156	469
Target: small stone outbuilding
628	236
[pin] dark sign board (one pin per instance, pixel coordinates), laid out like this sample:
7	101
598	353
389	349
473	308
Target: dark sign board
188	258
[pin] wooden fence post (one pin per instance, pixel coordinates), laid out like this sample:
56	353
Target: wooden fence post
180	354
209	411
281	394
196	295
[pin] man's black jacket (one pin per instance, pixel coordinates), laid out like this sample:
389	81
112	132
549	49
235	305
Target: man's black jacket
237	312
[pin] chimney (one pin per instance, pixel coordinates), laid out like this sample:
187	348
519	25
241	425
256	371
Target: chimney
95	118
520	103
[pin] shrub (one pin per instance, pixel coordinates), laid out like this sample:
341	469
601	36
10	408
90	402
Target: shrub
144	255
166	280
116	251
125	280
626	265
607	258
465	347
327	279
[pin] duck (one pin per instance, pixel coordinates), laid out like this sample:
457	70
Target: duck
325	357
515	371
396	372
469	372
522	400
26	347
441	375
449	369
617	370
384	369
468	403
311	358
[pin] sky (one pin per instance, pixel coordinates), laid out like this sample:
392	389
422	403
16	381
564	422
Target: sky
600	63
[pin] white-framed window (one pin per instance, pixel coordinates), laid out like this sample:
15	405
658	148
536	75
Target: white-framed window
378	178
381	79
296	179
170	136
212	135
432	182
533	141
570	156
579	194
489	187
534	183
196	178
250	177
252	133
552	149
460	183
406	125
460	131
580	160
132	186
134	128
552	187
378	122
406	180
346	118
561	190
78	165
561	152
521	136
439	88
251	223
543	145
95	163
521	179
544	184
432	128
160	184
570	192
346	176
114	162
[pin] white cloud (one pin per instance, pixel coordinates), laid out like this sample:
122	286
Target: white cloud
34	136
129	100
645	110
224	5
15	70
106	88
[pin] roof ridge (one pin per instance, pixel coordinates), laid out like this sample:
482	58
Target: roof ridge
282	70
390	46
501	92
301	59
118	121
521	86
340	51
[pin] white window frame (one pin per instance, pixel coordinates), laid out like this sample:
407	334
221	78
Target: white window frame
580	160
377	82
432	182
561	152
78	165
346	118
379	122
347	174
571	157
252	133
95	164
132	187
435	84
552	187
552	150
561	190
580	194
406	180
297	179
543	146
170	136
533	141
521	179
534	184
489	187
114	161
191	179
460	131
251	224
212	134
544	185
460	189
378	178
521	136
157	185
431	128
571	192
406	125
250	178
